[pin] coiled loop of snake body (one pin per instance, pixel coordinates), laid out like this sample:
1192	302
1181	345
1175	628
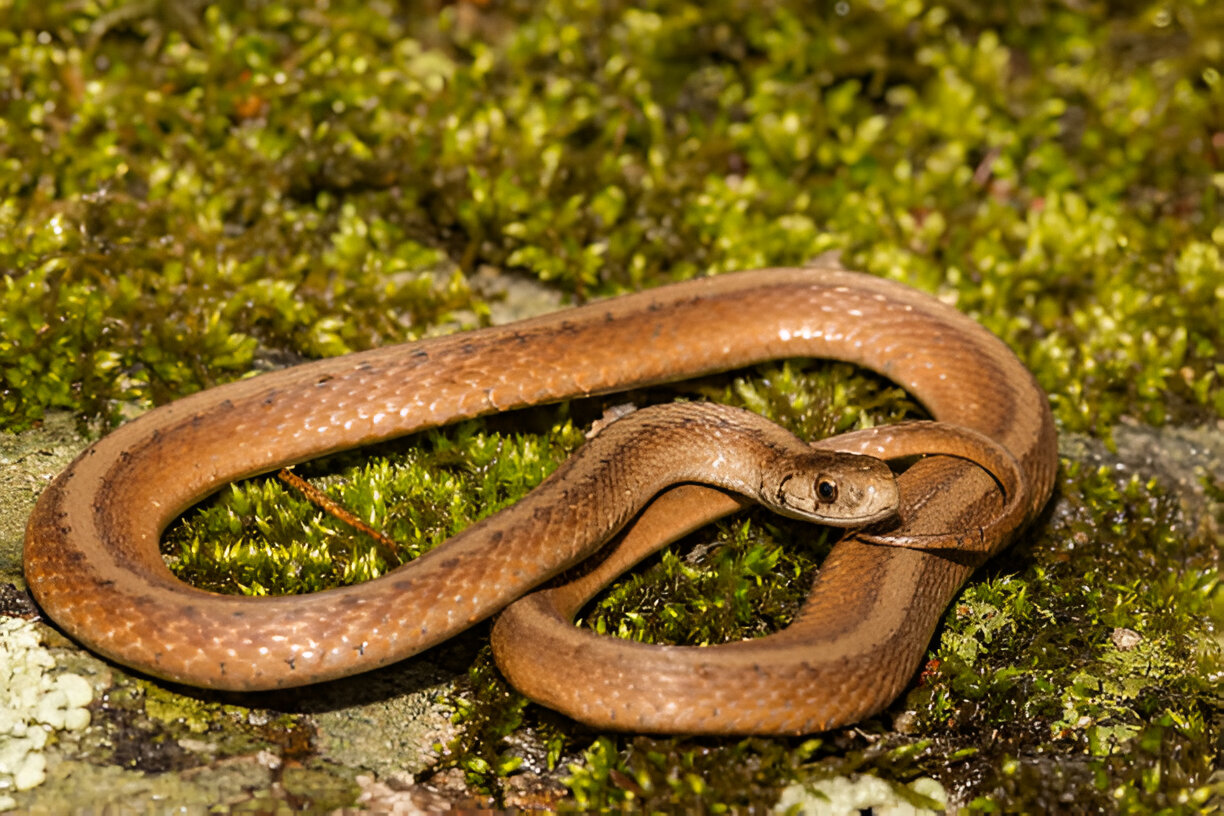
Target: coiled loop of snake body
92	559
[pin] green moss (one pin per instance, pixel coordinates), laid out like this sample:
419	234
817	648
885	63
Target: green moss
192	193
196	716
490	712
260	538
251	179
1094	649
663	775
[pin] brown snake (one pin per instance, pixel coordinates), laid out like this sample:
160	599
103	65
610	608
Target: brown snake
92	559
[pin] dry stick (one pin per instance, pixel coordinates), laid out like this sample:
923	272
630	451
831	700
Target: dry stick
329	505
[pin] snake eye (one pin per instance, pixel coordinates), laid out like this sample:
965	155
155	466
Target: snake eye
826	490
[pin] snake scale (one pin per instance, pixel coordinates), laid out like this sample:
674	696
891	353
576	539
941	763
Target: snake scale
92	559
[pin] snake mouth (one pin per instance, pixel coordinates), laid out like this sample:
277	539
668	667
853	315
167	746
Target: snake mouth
865	520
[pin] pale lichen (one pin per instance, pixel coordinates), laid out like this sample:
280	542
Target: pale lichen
36	701
855	794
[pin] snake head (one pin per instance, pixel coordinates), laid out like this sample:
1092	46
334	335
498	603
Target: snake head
838	489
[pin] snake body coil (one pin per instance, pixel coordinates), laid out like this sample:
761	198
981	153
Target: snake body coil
92	559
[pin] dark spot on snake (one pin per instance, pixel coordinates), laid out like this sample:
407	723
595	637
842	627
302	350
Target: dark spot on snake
361	648
365	366
292	662
271	398
420	354
238	614
73	557
189	612
325	378
497	537
450	563
221	666
226	405
467	348
782	486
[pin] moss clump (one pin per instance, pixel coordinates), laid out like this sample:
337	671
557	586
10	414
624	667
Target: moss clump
260	538
172	218
1089	645
656	775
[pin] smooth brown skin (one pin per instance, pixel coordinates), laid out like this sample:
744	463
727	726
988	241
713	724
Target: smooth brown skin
92	557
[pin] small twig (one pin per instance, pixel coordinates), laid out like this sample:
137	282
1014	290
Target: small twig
328	505
985	168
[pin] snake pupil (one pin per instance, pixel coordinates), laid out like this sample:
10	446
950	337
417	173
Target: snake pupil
826	490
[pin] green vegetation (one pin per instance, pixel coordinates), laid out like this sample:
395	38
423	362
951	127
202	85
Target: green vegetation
190	194
260	536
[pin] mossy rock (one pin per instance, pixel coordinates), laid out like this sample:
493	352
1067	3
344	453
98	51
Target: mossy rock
190	193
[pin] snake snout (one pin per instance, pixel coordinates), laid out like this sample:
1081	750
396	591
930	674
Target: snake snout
868	492
876	500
